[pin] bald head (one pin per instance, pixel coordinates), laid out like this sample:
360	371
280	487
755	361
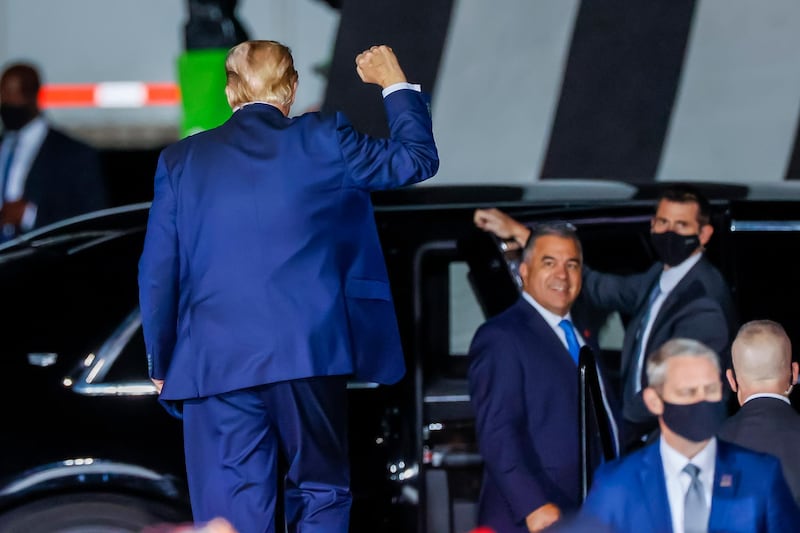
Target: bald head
762	358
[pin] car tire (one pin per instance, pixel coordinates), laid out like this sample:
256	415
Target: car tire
89	513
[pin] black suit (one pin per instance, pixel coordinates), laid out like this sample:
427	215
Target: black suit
699	307
772	426
65	179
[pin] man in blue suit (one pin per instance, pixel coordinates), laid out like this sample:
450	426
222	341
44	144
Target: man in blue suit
524	388
263	286
689	481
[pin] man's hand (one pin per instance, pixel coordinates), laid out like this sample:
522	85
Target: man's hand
379	65
12	212
502	225
159	383
546	515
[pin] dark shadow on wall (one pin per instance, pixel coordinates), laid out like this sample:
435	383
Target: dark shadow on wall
619	87
416	31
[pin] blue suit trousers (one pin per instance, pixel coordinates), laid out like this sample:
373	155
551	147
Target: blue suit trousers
233	443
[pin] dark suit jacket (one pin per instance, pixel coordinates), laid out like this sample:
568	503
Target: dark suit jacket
261	261
700	307
772	426
524	388
749	494
65	180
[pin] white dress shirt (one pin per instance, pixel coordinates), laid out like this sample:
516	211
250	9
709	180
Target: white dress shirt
29	140
678	481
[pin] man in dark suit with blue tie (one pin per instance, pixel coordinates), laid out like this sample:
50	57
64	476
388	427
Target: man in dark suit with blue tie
689	481
524	388
45	175
263	286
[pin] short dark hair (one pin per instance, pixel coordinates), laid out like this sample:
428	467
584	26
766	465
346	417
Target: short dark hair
683	193
558	228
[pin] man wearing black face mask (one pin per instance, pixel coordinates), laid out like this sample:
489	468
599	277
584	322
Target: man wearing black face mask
682	295
45	176
689	481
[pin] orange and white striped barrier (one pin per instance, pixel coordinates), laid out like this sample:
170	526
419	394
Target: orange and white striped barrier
110	94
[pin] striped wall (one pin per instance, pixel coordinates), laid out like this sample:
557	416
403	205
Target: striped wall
658	90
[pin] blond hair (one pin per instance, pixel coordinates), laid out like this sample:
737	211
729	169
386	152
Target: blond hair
260	71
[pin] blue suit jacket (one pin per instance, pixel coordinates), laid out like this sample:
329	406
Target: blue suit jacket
261	261
524	389
749	495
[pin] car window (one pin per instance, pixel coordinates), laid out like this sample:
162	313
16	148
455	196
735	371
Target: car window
465	314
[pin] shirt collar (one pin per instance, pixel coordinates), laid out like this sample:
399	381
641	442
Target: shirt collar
768	395
674	461
33	129
549	317
238	107
672	276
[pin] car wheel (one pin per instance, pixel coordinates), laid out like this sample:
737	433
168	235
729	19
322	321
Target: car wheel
88	513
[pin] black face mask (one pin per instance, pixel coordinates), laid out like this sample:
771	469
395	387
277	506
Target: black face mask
672	248
14	117
697	421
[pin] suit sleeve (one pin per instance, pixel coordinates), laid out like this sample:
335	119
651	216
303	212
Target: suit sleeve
408	156
613	292
158	277
704	320
782	510
496	392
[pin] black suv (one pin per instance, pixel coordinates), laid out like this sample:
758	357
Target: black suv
86	446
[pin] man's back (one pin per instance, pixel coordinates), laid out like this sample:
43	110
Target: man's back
278	256
772	426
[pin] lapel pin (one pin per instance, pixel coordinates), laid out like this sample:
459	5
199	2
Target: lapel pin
726	480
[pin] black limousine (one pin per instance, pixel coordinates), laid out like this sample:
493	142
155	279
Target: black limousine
85	446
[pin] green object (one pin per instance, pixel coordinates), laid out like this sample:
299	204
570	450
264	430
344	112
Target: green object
201	78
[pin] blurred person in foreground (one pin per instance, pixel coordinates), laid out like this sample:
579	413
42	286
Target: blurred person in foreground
45	175
263	287
680	295
523	380
762	377
217	525
689	481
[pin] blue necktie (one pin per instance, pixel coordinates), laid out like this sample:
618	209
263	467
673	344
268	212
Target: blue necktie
12	146
572	341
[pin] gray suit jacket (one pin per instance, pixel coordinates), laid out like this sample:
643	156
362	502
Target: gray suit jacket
700	307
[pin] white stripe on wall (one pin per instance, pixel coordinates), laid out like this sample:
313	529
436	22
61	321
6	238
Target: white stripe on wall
737	104
498	87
